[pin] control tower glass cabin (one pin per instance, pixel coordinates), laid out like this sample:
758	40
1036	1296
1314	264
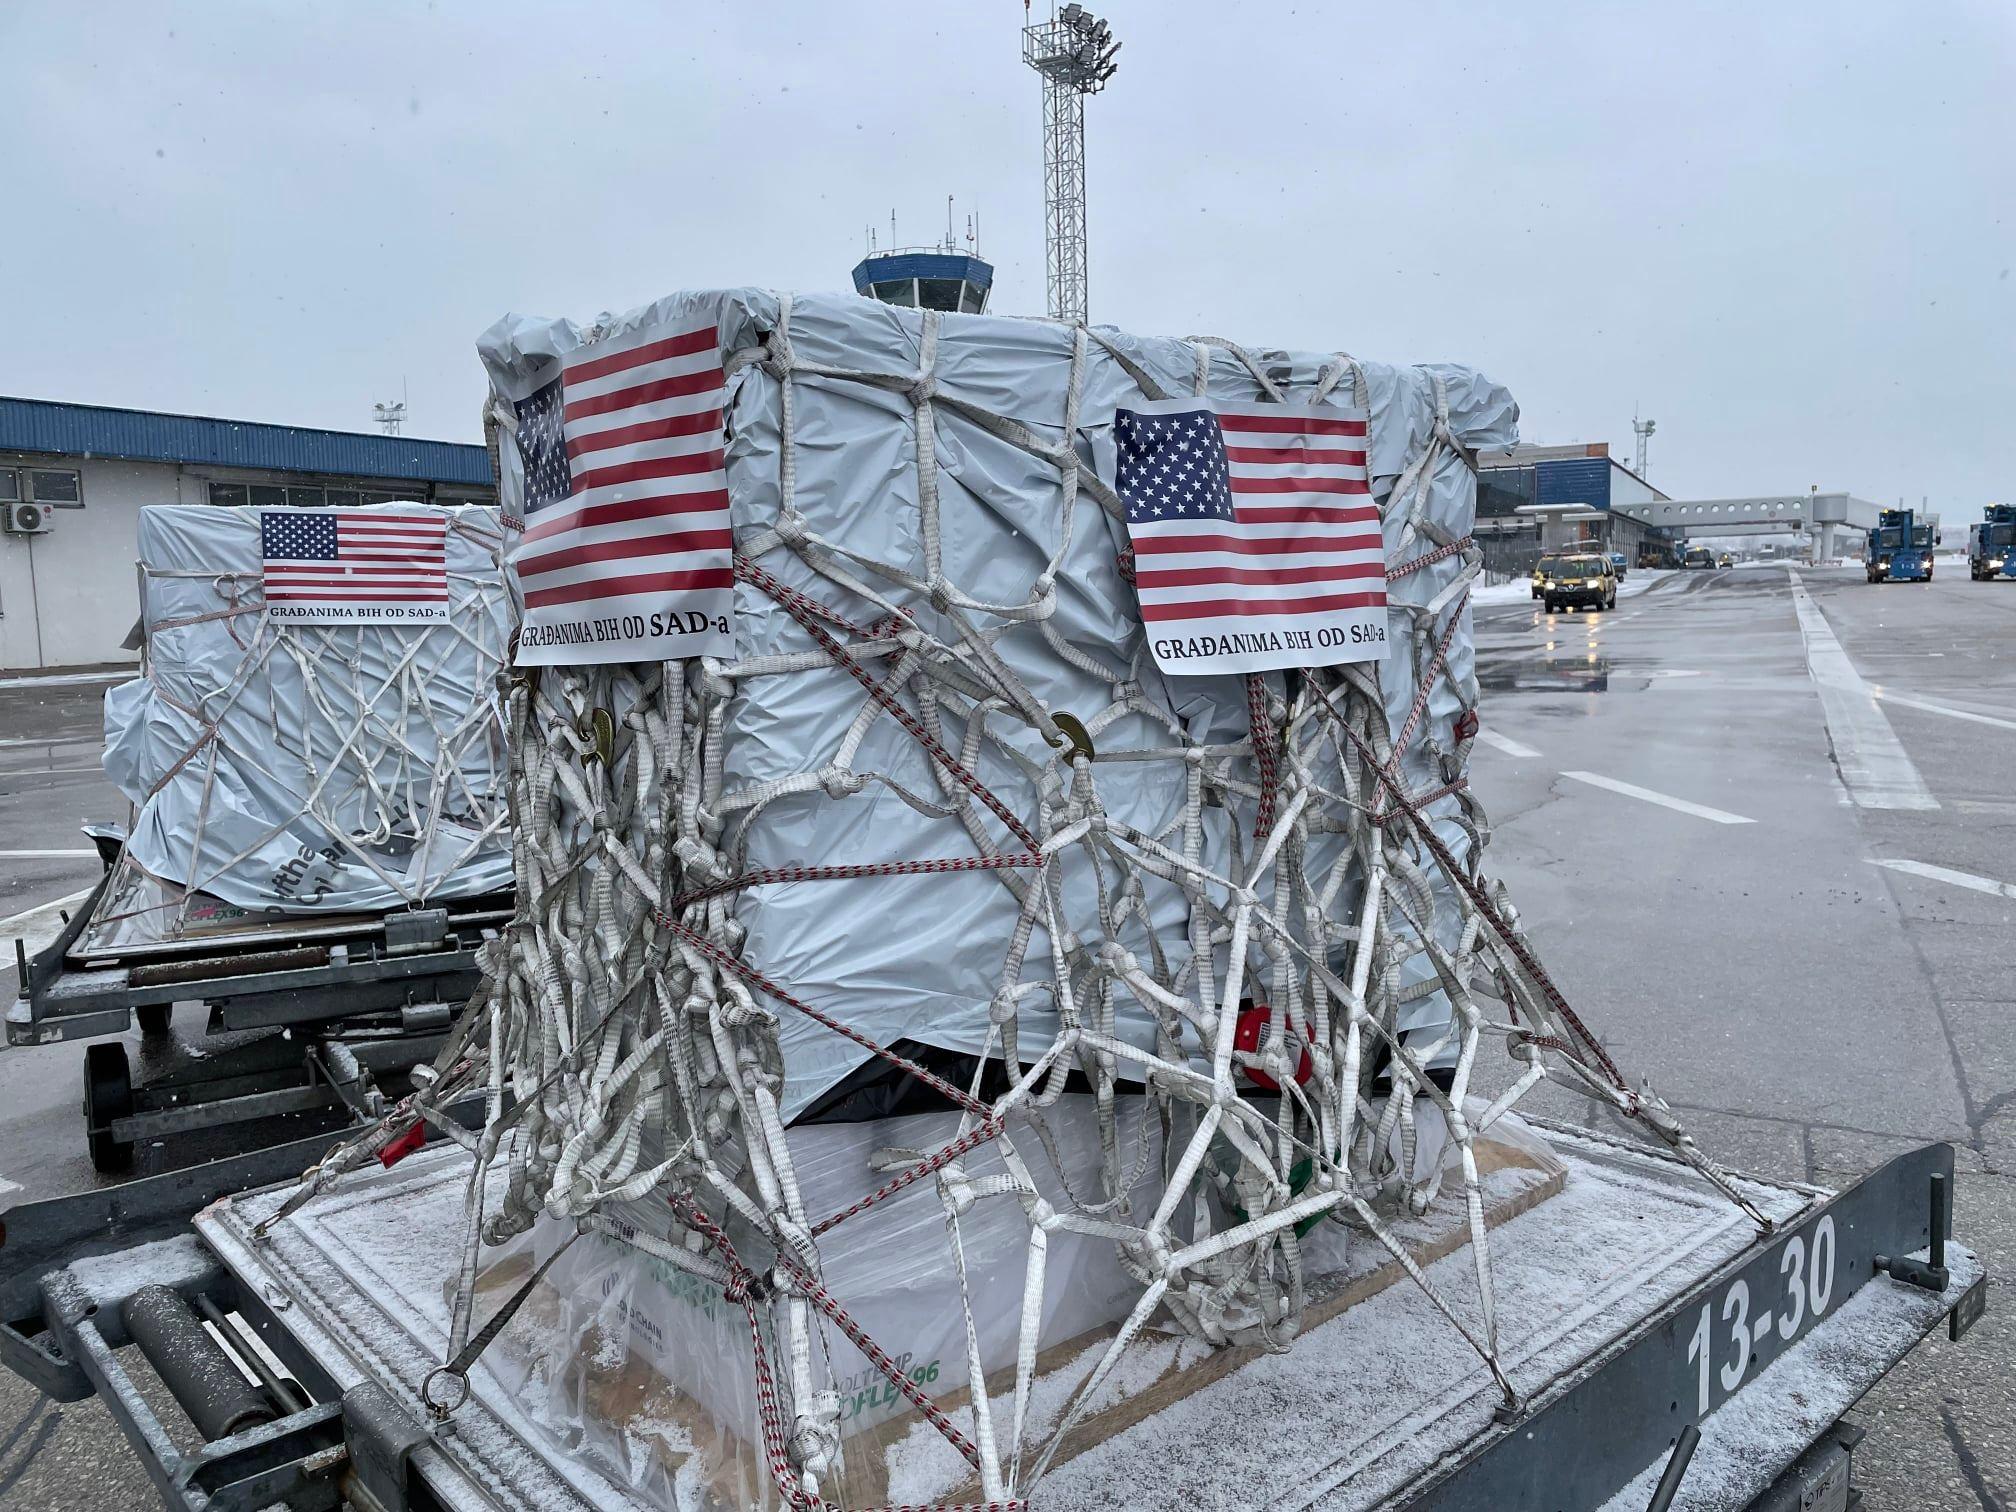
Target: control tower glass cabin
932	280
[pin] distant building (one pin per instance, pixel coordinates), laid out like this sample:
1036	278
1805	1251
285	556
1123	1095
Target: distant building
1519	488
68	590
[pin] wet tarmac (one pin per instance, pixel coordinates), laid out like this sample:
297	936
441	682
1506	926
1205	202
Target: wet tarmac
1670	811
51	733
1810	1012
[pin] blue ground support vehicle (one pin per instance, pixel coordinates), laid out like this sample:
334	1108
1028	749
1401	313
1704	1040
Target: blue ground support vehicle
1991	545
1901	545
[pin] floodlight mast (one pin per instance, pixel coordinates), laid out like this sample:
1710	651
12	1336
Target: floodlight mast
1074	52
1643	430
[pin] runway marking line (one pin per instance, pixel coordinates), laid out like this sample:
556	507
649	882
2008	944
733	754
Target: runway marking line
1664	800
1947	710
1506	744
42	855
1946	874
69	679
17	924
1874	766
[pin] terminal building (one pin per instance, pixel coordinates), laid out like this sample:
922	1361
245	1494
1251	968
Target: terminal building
1532	499
73	478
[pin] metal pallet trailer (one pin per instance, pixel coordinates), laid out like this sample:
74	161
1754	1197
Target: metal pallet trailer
311	1021
1754	1349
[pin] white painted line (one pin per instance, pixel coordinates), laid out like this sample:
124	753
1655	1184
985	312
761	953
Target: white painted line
42	855
1957	878
1875	768
36	927
1631	790
69	679
1504	743
7	1186
1672	672
1947	710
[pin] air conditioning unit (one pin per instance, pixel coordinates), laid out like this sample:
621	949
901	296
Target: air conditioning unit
24	519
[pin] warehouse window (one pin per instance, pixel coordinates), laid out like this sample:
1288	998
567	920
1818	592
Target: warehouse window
10	484
273	496
61	489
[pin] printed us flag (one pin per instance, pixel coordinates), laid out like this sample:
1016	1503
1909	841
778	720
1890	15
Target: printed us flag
354	567
626	553
1256	543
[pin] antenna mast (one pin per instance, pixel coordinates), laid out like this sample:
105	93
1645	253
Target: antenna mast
1074	52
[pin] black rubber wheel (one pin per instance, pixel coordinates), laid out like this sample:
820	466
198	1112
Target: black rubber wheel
108	1094
154	1018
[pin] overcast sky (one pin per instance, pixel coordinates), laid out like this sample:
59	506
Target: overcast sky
1785	231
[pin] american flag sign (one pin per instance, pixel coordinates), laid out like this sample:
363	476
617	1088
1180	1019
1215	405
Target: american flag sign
1256	543
354	566
626	553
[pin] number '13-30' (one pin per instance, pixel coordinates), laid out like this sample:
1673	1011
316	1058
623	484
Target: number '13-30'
1809	1287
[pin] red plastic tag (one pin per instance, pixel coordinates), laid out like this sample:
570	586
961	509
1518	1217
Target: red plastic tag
404	1145
1251	1029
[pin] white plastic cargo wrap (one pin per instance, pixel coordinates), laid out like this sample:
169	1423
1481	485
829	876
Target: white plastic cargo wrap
282	768
647	1367
1022	576
882	872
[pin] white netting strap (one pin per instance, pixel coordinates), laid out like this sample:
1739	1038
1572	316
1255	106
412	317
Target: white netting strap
626	1009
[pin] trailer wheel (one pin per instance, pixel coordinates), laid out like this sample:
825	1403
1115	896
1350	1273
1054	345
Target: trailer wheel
108	1094
154	1018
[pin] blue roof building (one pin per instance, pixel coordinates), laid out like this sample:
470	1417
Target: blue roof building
74	477
92	430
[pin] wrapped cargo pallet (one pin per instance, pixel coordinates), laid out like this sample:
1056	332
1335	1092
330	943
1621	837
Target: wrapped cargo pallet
298	746
1000	931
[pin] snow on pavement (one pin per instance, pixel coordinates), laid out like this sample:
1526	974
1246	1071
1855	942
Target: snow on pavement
1520	589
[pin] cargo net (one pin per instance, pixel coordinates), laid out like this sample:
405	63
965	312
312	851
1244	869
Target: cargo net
621	1022
361	759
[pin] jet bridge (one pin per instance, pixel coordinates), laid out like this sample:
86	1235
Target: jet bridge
1761	514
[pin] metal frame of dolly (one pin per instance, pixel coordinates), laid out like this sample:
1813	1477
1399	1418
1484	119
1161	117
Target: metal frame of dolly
359	1011
1574	1445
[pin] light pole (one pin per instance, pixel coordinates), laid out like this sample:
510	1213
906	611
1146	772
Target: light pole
1074	52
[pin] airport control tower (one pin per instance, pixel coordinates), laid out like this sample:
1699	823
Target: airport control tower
944	277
